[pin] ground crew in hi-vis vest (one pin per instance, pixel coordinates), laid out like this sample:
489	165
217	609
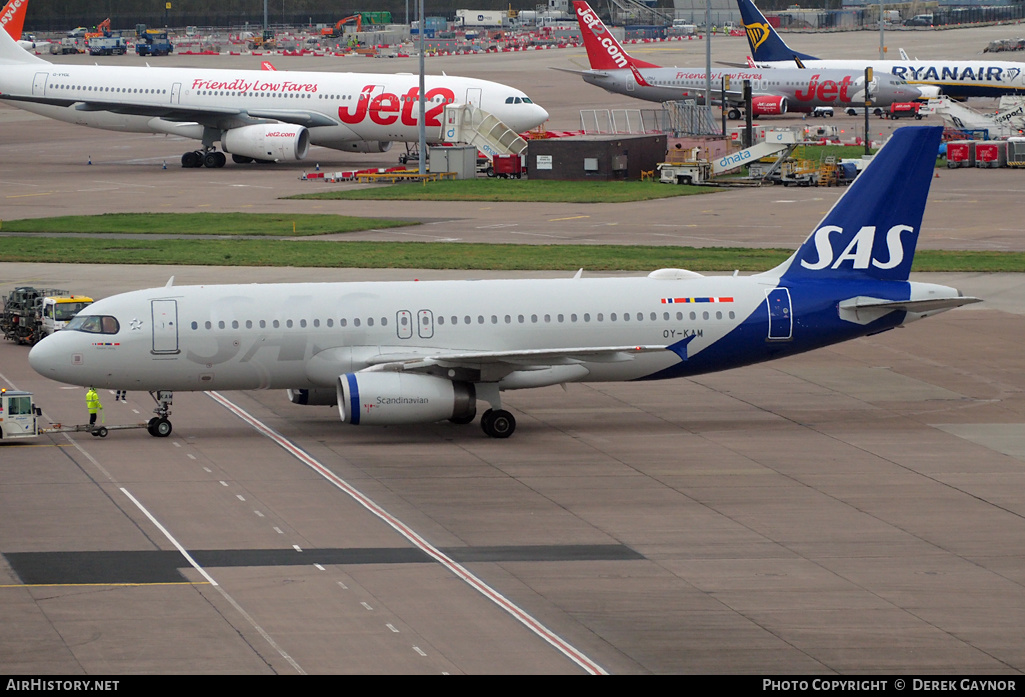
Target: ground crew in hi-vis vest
92	402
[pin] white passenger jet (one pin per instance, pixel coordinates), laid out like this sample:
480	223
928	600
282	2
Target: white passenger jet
955	78
255	114
773	91
418	352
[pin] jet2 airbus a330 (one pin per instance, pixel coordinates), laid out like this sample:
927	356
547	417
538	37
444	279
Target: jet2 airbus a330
256	115
419	352
774	91
956	78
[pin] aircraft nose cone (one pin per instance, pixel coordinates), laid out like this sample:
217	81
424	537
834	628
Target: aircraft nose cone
913	93
43	357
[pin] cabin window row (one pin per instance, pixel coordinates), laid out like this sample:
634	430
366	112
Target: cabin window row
404	320
93	88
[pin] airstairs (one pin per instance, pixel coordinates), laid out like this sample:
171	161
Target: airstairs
466	123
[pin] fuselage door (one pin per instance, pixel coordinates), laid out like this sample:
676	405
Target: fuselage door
176	91
473	96
404	324
781	321
630	83
425	324
165	326
39	84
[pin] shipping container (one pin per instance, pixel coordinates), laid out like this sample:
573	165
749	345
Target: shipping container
991	153
961	153
1016	152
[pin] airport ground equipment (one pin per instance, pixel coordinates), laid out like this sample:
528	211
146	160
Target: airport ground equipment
20	418
991	153
900	110
30	314
1015	152
778	142
107	46
467	123
961	153
152	42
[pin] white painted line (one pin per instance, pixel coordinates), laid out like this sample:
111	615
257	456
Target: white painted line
214	583
240	497
297	548
191	456
344	587
365	605
419	651
318	566
392	627
224	483
278	530
258	514
416	539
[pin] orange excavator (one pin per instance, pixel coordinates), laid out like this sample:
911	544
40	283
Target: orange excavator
102	29
336	31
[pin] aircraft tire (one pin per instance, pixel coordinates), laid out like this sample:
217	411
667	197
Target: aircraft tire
161	428
241	159
191	159
213	160
498	423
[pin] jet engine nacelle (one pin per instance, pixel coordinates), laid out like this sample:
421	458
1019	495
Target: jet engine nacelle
367	145
317	397
275	141
768	105
388	398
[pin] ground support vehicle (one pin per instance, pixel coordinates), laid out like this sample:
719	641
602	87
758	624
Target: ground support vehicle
901	109
506	167
20	419
30	314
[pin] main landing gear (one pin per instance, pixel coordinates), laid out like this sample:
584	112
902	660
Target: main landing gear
212	159
497	423
159	426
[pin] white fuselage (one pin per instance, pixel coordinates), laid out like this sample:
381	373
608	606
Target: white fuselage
306	335
344	107
955	78
803	89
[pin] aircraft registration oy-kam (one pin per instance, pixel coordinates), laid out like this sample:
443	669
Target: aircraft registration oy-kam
254	114
418	352
958	79
774	91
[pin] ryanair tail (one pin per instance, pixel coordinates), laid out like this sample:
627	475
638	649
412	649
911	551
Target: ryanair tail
766	46
603	51
871	232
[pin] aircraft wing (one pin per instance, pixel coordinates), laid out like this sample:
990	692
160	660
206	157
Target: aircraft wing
215	117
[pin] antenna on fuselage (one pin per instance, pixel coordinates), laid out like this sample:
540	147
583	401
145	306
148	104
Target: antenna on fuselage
170	282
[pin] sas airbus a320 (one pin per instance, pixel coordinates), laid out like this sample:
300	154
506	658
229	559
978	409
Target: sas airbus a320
419	352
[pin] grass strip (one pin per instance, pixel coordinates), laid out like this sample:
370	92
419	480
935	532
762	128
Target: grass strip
436	255
515	190
253	224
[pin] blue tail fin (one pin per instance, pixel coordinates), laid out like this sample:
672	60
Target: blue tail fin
766	46
872	230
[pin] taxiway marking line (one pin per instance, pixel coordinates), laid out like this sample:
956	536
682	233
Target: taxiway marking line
415	538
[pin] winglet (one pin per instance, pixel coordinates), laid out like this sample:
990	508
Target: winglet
170	282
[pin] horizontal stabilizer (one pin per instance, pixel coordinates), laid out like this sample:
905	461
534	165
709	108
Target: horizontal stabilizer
862	310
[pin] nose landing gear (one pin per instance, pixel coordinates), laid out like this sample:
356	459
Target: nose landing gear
159	426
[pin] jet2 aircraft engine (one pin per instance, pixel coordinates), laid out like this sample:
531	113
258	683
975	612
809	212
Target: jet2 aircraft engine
274	142
387	398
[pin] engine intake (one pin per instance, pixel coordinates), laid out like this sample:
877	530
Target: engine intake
403	398
274	141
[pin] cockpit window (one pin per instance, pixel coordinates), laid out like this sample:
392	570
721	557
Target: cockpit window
526	100
95	324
